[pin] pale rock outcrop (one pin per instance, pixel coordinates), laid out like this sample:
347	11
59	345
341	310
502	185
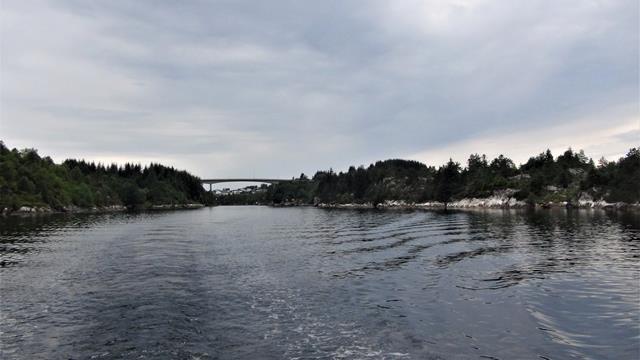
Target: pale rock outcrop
345	206
587	201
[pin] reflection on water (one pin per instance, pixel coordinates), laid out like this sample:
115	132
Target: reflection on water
306	283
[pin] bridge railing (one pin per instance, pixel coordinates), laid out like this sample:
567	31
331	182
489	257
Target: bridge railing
258	180
262	180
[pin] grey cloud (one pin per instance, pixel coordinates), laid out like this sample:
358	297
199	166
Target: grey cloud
632	136
311	84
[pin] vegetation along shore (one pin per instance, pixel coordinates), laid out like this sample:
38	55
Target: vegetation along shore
30	183
568	180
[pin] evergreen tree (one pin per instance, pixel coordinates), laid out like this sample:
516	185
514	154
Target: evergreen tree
448	180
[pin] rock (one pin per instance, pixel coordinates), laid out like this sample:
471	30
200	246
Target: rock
585	199
115	208
394	204
505	193
576	171
502	199
345	206
194	206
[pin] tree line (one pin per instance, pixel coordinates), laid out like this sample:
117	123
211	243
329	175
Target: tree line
27	179
542	179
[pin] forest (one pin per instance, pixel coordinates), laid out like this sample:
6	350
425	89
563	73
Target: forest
542	179
27	179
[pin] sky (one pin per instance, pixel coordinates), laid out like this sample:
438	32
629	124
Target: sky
276	88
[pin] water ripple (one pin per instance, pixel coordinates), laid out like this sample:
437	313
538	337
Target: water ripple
306	283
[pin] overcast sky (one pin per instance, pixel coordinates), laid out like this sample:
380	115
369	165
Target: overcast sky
274	88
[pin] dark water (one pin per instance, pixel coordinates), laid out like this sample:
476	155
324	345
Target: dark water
305	283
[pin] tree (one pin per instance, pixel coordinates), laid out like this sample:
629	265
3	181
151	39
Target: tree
25	185
132	196
448	178
503	166
476	163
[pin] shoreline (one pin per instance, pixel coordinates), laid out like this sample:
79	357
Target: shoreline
479	204
464	204
46	210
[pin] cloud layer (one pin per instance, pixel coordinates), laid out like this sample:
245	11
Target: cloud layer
245	88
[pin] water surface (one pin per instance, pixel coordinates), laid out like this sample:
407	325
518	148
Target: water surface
307	283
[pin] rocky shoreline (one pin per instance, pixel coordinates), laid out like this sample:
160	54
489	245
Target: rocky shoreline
41	210
486	203
471	203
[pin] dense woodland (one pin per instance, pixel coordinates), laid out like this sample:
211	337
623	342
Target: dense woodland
542	179
27	179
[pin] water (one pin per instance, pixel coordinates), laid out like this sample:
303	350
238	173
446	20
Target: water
306	283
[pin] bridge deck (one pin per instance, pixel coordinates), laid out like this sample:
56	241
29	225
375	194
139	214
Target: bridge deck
260	180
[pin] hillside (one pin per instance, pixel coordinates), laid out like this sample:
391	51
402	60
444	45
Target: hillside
571	177
27	179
